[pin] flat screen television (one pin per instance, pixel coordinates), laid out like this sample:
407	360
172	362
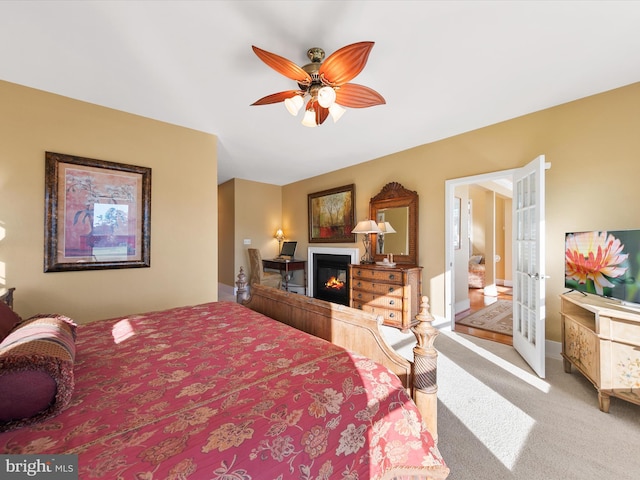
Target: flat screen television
604	263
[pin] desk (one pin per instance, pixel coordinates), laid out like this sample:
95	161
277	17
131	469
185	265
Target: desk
287	266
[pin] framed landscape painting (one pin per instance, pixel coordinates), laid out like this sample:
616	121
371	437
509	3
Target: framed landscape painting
97	214
332	215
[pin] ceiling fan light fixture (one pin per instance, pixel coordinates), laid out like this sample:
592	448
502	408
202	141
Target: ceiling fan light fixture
336	112
294	104
309	119
325	83
326	96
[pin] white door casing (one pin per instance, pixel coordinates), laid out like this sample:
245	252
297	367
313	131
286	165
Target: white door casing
529	340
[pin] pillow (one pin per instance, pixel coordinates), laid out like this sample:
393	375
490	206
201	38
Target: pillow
477	259
8	320
36	370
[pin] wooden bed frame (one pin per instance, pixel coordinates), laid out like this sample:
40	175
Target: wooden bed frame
358	332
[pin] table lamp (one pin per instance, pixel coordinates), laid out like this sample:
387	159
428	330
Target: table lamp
366	227
280	237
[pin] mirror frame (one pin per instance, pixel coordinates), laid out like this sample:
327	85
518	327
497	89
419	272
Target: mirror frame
394	195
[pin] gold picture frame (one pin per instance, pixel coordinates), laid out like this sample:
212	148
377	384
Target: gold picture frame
332	215
97	214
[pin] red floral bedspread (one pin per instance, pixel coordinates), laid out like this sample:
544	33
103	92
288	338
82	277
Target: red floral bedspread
217	391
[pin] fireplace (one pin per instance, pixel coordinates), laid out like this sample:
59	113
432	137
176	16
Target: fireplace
328	279
331	277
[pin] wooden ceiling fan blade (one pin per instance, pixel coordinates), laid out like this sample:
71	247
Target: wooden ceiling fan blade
321	114
358	96
277	97
283	66
345	64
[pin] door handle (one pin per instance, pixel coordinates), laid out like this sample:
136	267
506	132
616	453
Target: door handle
537	276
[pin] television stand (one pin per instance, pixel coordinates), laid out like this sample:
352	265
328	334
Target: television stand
574	290
602	340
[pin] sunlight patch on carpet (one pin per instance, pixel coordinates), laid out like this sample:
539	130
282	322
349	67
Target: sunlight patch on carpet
530	378
498	424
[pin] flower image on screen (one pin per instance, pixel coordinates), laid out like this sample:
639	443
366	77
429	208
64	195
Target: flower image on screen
604	263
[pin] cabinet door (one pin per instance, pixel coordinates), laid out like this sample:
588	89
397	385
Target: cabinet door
581	346
625	367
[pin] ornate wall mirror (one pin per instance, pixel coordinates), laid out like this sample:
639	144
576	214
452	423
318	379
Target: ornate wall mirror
398	207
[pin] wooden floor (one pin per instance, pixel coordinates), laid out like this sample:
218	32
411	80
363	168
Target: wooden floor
478	302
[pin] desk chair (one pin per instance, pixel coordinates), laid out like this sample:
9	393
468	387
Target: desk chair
258	275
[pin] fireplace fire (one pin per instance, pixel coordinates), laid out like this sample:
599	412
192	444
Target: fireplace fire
335	283
331	277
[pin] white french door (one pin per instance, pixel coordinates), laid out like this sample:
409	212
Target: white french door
528	264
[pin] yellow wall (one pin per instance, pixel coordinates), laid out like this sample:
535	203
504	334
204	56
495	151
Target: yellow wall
183	206
227	269
255	208
479	205
592	144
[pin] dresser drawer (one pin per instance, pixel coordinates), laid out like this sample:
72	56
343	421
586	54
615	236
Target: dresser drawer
387	301
377	288
386	275
390	317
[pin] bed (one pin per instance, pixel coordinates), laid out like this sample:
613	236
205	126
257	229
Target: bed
477	269
223	391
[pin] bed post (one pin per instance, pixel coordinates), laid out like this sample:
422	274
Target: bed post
425	386
242	293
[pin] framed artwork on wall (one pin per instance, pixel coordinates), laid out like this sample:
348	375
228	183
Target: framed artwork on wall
97	214
332	215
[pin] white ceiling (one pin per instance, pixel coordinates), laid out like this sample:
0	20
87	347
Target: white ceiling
444	68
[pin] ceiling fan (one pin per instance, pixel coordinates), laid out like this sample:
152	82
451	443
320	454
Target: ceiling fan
324	83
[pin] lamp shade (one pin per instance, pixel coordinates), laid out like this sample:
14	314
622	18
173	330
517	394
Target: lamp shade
279	234
385	227
366	226
326	96
309	119
294	104
336	111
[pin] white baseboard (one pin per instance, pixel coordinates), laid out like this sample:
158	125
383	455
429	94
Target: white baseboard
553	349
462	306
226	291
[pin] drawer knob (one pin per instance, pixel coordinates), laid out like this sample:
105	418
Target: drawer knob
359	295
392	302
390	289
392	277
359	284
391	315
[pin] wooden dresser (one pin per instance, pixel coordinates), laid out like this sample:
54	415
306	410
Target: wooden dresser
393	293
602	340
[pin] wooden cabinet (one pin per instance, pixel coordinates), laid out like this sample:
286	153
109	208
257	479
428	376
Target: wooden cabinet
393	293
601	338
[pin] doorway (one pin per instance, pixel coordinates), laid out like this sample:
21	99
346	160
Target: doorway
527	245
480	256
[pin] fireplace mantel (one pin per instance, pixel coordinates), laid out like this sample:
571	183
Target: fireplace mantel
353	252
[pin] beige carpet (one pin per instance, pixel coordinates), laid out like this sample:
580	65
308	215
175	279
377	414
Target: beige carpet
498	421
495	318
